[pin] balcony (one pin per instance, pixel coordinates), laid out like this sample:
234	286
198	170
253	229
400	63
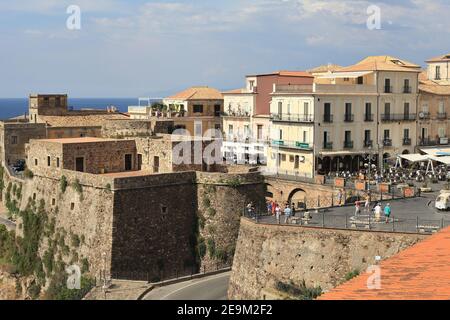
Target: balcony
406	141
328	145
424	115
387	142
398	117
287	117
442	115
328	118
388	89
407	89
344	88
428	142
348	144
349	117
292	145
368	118
368	143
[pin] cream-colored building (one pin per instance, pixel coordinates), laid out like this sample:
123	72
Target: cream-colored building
292	113
369	108
434	102
197	110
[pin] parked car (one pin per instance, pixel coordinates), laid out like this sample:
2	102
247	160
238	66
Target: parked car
19	166
443	200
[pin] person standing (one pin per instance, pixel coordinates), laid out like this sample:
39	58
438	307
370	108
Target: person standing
378	212
293	210
387	212
357	207
287	214
367	205
274	207
277	212
269	208
340	195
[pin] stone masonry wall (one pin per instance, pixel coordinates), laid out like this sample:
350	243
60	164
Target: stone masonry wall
267	254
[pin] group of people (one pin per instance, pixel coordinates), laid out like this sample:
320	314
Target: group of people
275	209
378	210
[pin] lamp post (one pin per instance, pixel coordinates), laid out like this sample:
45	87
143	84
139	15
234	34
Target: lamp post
369	166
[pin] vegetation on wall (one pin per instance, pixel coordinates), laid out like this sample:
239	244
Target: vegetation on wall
28	174
299	292
352	274
63	184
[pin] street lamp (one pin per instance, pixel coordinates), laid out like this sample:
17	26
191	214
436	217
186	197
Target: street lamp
369	158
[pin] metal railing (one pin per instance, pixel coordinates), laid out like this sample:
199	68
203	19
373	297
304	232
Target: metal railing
388	89
398	117
441	115
368	143
292	144
348	144
328	145
368	117
387	142
407	141
328	118
407	89
288	117
349	117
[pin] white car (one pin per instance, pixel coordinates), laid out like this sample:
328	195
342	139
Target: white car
443	201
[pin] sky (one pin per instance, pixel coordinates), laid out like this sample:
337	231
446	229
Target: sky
145	48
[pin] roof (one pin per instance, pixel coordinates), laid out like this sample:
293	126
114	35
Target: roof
91	120
443	58
79	140
383	63
197	93
285	73
326	68
434	88
420	272
238	91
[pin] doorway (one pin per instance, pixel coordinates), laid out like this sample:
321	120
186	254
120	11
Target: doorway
128	162
79	164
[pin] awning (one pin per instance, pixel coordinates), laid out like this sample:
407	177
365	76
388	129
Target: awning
414	157
444	160
336	75
436	152
341	153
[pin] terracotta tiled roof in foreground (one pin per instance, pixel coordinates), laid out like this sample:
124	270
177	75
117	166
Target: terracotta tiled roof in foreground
421	272
197	93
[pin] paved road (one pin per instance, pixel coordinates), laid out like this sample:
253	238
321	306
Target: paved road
209	288
9	224
405	211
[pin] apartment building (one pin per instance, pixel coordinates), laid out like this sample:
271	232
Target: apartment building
365	109
292	146
246	118
434	101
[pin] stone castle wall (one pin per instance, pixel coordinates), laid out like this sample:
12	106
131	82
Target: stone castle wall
268	254
145	227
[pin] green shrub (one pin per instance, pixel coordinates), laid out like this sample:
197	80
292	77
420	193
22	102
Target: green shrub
63	184
75	240
34	291
211	212
206	202
77	186
28	174
201	247
108	187
352	274
84	265
211	247
300	292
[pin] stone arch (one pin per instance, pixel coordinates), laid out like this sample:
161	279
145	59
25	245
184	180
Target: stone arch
405	152
298	197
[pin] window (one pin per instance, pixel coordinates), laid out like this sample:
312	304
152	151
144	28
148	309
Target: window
246	131
360	80
72	206
367	136
346	79
198	108
164	209
35	162
156	164
387	134
230	130
305	136
13	139
387	86
438	73
348	109
57	162
251	84
387	108
441	107
406	133
139	159
297	162
289	108
53	201
406	108
441	132
306	108
280	107
425	108
128	162
281	134
79	164
407	88
260	132
48	161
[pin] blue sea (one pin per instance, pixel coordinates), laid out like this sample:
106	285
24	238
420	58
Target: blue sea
10	108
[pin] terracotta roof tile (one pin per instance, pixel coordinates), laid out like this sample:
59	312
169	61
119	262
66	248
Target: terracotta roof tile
382	63
197	93
421	272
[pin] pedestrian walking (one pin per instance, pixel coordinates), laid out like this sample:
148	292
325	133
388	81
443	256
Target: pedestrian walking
274	206
357	207
387	212
287	214
250	210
